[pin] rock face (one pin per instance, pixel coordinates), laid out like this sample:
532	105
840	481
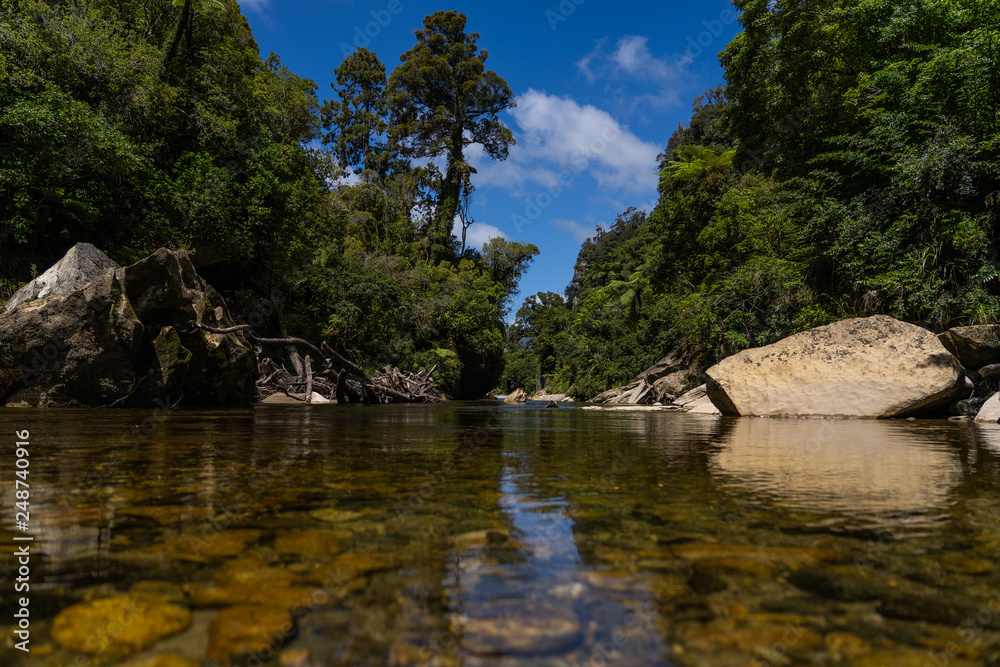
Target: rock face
637	392
974	346
124	339
663	379
78	267
516	396
863	367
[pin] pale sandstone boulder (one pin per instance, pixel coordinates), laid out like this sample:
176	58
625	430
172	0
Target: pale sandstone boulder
990	412
864	367
703	406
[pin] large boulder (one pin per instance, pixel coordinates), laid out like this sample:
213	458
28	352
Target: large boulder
974	346
864	367
80	265
124	339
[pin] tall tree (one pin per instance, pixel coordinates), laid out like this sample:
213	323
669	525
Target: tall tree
357	123
185	25
442	99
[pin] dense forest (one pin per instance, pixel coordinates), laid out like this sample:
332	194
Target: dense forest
157	123
847	166
850	165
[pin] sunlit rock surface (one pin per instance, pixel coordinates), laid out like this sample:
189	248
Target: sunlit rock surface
863	367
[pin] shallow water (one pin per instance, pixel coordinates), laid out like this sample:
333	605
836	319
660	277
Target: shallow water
485	534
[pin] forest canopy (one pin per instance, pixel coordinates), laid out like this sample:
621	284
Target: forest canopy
847	166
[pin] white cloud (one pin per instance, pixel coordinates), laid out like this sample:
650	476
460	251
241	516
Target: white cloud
584	63
579	232
477	234
255	5
631	56
632	60
560	138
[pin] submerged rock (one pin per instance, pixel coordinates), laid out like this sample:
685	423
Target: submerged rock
312	543
906	656
863	367
248	632
124	338
506	627
161	660
119	625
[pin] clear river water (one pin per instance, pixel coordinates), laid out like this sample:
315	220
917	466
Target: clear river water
487	534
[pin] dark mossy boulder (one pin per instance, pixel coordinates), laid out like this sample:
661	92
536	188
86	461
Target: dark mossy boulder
125	339
974	346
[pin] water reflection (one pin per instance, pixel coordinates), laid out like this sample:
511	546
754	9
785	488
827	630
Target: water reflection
860	468
468	535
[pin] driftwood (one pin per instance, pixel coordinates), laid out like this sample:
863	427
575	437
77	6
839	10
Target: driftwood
332	375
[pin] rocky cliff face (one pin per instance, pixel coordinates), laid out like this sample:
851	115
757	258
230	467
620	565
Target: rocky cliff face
124	339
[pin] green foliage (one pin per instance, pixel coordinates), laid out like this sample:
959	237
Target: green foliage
357	123
157	123
443	98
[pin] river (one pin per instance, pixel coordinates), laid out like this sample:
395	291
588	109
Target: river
487	534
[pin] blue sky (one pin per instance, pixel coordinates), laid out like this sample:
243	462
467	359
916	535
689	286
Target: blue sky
600	87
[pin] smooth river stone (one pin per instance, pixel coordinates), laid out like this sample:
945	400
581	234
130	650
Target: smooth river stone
119	625
905	656
210	546
766	641
333	515
168	515
283	597
311	543
783	555
159	591
248	629
512	627
251	571
161	660
846	645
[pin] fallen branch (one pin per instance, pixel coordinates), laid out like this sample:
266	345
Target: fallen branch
332	375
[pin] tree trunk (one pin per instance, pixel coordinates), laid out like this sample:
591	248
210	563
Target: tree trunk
182	27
